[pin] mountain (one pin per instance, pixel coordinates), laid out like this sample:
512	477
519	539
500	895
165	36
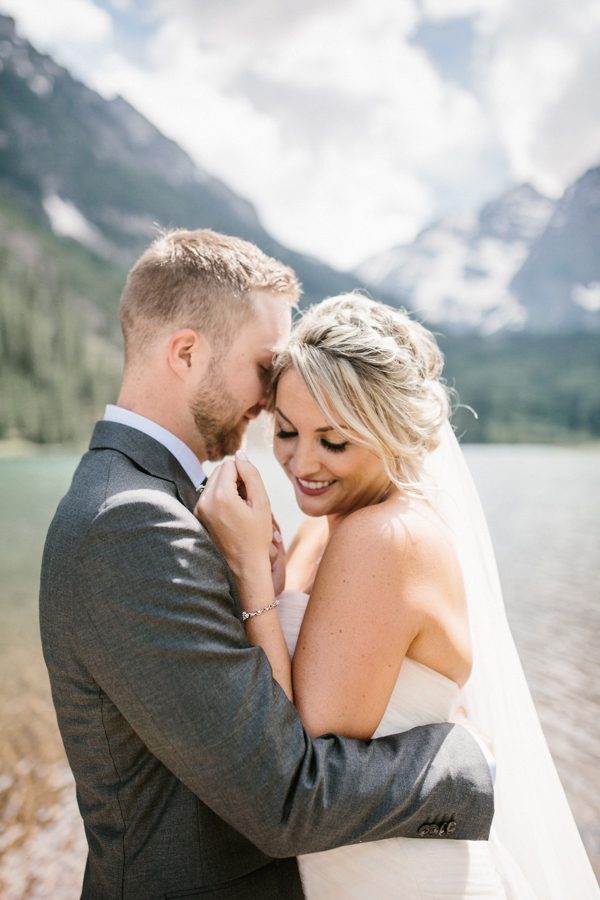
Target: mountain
559	282
525	262
99	172
83	180
458	271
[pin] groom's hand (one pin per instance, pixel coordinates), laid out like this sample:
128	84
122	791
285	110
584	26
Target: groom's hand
235	509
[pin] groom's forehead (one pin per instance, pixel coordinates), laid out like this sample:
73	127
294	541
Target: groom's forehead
270	348
268	328
261	342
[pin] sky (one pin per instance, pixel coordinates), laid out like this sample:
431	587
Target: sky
350	124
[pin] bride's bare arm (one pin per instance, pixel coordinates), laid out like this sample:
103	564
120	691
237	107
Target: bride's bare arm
366	608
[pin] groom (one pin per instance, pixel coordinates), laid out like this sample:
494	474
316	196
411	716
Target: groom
194	774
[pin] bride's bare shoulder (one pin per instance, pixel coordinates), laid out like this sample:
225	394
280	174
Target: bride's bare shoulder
408	525
402	540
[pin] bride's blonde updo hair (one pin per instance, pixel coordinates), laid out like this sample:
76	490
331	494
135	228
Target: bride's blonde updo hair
377	370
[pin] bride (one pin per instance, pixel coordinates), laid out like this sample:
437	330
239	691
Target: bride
392	615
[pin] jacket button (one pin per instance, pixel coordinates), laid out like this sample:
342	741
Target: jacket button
433	829
424	830
451	828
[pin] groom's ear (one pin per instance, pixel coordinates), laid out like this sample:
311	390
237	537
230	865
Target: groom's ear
188	353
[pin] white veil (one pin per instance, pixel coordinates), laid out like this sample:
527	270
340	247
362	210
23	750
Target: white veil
534	838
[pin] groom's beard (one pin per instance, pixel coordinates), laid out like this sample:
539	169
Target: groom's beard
218	418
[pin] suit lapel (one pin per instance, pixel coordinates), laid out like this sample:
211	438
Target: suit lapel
147	454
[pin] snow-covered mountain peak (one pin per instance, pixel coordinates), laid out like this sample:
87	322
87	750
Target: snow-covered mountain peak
458	271
521	214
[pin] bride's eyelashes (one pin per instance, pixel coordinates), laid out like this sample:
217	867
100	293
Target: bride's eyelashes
329	445
335	448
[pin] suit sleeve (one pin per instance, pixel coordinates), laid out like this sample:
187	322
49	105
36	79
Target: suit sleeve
163	637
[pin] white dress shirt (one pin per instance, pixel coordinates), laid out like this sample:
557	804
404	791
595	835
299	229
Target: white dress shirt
186	458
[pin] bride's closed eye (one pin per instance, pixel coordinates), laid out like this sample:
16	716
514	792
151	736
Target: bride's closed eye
328	445
335	448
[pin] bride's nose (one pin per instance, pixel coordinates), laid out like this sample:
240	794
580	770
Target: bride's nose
303	462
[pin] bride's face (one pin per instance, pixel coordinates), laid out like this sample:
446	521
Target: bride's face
331	476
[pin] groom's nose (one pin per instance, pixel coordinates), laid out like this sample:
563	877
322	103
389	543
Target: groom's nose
264	397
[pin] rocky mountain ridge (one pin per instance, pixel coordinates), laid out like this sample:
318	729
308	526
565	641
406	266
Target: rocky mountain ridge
525	262
99	172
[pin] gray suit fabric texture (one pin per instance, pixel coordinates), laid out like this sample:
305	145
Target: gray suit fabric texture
194	774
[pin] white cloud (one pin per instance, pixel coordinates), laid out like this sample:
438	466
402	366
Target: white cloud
442	10
540	69
50	23
340	130
333	128
121	5
587	296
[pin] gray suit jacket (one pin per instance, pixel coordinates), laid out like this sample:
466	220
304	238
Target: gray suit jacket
194	774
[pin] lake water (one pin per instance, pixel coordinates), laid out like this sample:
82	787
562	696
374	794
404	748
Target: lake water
543	507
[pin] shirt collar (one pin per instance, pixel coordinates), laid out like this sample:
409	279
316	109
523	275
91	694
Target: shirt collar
186	458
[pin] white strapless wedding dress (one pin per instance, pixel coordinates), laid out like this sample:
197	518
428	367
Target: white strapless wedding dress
407	868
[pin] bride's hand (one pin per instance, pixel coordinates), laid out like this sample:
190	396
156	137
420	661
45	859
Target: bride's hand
235	509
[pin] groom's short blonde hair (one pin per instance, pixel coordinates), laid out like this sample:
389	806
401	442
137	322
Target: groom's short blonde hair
198	279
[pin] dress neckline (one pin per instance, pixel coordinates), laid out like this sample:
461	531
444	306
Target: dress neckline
433	672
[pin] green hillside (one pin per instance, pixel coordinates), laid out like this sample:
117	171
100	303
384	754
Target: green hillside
526	388
60	355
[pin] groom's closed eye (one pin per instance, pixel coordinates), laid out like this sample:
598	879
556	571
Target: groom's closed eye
265	373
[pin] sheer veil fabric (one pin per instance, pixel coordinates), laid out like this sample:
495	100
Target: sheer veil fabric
534	839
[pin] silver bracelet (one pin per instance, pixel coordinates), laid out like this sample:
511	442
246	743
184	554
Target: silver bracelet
258	612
